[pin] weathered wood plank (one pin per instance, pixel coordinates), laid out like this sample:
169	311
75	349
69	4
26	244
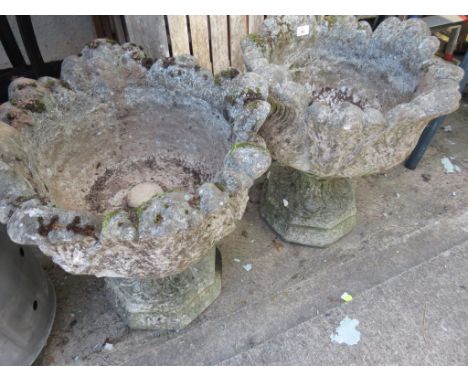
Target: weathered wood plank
219	42
255	23
149	32
237	30
116	21
200	40
178	33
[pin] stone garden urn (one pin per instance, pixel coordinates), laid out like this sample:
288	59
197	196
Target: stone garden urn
346	102
133	172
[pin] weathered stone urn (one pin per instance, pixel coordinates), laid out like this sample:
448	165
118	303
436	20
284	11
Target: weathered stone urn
346	102
133	172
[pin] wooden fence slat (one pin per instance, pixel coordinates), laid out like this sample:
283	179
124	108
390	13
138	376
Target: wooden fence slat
255	23
149	32
219	42
238	30
116	21
179	35
200	40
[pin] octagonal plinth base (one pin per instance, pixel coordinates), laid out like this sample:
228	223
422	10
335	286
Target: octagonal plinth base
170	303
307	210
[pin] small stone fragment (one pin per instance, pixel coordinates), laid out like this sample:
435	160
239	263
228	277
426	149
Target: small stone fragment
141	193
449	167
447	128
108	346
236	260
247	267
277	244
285	203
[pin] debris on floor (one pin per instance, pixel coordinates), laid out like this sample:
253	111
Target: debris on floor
108	346
277	244
236	260
247	267
449	167
426	177
347	333
346	297
285	202
447	128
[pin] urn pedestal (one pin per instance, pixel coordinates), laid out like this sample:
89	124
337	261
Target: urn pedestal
307	210
170	303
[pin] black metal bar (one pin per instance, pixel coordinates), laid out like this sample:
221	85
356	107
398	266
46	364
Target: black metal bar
464	66
9	43
30	44
423	143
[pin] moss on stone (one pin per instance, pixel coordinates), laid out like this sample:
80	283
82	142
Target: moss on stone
257	39
26	85
252	94
220	186
217	80
331	20
158	218
241	145
32	105
229	73
108	217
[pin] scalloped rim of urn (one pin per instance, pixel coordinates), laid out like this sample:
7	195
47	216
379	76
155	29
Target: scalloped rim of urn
279	54
173	216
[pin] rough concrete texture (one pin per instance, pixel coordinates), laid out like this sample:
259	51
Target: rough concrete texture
404	264
307	210
347	101
74	149
170	303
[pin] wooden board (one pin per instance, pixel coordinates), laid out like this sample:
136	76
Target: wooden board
219	43
255	23
201	40
116	22
149	32
237	31
178	33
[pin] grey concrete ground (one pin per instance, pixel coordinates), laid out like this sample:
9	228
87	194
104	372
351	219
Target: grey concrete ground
406	265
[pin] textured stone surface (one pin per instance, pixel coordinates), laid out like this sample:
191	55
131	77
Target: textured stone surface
73	149
347	101
170	303
307	210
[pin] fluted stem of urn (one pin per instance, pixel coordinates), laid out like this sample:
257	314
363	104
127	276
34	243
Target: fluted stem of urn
307	210
170	303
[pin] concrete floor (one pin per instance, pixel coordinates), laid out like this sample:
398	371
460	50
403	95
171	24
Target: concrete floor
406	265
